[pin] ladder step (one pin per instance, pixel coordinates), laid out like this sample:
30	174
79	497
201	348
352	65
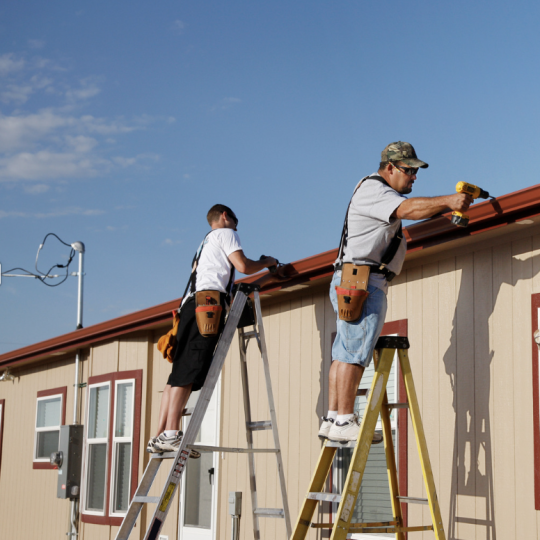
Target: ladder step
202	448
334	444
398	405
412	500
269	512
163	455
143	499
324	497
250	334
258	426
188	411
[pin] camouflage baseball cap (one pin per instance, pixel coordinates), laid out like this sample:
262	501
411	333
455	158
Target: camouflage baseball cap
404	152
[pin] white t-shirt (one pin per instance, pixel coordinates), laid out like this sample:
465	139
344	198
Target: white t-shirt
214	268
371	228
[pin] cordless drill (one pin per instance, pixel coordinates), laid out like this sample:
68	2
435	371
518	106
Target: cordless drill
462	220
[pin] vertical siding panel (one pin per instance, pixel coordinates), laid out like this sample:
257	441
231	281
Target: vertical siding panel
415	318
447	372
523	405
397	298
463	485
430	372
298	487
502	370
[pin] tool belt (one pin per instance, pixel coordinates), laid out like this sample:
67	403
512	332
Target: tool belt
352	291
208	311
167	342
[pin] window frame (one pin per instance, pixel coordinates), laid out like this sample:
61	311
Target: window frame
107	516
2	416
535	320
44	463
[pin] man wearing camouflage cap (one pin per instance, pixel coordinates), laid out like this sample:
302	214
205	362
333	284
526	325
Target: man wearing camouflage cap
372	237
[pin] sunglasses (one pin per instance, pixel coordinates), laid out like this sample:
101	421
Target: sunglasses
409	171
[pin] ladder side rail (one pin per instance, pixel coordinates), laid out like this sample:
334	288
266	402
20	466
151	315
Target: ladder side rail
361	452
249	435
273	416
135	507
421	443
389	452
190	435
316	485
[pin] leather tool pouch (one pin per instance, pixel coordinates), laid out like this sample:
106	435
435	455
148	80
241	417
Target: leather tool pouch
208	312
352	292
167	342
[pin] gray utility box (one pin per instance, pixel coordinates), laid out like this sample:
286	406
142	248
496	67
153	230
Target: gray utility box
68	460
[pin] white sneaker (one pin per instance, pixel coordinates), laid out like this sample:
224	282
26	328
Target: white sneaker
171	444
151	446
348	431
325	427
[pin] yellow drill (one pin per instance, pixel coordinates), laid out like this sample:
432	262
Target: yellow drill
462	220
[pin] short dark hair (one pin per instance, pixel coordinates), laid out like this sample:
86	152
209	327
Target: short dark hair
217	210
383	165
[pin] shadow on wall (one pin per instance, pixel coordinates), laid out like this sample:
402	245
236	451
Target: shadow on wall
468	363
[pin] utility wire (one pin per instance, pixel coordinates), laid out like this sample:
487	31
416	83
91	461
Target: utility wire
42	276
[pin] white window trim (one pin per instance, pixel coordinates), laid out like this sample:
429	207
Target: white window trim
87	444
48	428
115	441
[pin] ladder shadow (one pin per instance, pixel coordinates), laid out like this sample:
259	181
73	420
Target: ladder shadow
470	378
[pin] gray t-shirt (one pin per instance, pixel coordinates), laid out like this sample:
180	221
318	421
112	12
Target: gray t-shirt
371	228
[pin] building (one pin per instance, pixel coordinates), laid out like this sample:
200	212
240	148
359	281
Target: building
469	301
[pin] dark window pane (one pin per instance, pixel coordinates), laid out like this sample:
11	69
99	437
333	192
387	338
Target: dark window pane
122	477
47	442
97	462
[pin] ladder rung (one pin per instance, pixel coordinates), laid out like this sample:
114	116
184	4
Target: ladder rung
269	512
398	405
202	448
335	444
412	500
188	411
163	455
362	392
250	334
373	524
143	499
258	426
324	497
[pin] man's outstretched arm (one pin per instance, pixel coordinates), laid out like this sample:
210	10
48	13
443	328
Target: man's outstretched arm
425	207
248	266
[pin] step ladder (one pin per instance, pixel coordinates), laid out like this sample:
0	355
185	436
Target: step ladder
238	317
377	403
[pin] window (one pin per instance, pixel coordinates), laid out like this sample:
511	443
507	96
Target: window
50	415
112	446
373	503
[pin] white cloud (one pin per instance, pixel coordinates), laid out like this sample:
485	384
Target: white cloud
81	143
69	211
87	90
36	189
36	43
179	26
9	63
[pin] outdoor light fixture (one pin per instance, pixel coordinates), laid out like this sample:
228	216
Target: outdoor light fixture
7	376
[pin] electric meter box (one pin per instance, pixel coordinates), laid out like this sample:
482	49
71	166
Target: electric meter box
69	468
235	503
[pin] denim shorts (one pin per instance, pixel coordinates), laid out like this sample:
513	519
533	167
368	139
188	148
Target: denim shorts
355	341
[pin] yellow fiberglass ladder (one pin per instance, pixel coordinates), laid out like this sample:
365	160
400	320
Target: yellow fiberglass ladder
239	318
377	403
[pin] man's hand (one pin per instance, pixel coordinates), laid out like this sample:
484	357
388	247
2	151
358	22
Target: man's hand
459	202
269	261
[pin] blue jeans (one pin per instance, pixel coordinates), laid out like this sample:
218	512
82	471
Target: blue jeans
355	341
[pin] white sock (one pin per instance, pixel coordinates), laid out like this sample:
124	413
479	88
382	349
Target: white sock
342	418
170	432
331	415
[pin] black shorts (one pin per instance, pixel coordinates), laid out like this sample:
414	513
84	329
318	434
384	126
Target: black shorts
193	353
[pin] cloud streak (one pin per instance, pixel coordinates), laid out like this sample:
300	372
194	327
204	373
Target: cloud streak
70	211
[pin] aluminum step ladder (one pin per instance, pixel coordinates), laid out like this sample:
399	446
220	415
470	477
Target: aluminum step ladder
180	458
377	403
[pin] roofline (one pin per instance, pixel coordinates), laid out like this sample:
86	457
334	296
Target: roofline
485	216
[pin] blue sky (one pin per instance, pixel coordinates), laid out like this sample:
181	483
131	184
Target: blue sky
121	123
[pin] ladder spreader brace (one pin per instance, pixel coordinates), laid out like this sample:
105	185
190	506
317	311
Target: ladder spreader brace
377	403
180	458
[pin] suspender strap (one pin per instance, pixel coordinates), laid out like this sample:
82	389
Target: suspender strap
192	282
393	247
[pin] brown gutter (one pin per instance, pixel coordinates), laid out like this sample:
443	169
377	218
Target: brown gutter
483	217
